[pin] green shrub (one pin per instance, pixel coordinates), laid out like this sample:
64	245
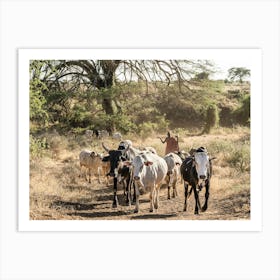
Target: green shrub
239	158
242	114
37	111
37	147
80	117
146	129
212	118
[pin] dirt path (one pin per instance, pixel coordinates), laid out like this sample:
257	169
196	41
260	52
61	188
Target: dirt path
94	201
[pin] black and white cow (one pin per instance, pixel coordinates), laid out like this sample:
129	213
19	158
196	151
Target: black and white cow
196	171
117	169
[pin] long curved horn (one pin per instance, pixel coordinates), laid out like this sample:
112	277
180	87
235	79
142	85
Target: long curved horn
105	148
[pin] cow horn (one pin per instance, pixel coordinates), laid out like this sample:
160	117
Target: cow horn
105	148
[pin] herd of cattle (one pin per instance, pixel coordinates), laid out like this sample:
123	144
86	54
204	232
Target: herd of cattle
139	171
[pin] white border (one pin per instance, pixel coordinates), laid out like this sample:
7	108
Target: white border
251	57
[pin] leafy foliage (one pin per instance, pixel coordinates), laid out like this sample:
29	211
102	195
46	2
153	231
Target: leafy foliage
127	105
38	111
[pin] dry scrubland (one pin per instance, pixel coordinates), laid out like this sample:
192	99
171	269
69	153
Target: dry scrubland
56	191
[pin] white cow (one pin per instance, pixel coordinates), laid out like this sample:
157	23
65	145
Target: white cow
117	136
174	163
149	171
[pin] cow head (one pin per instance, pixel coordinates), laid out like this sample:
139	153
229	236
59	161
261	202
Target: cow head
116	157
139	163
201	163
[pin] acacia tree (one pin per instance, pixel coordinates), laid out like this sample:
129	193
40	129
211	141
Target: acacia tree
102	75
238	73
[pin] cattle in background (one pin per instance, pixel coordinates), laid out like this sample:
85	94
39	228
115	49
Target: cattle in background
100	134
149	171
196	171
92	161
117	136
174	163
89	133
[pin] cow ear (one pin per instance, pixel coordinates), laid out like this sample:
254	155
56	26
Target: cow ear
178	163
123	158
212	158
92	154
147	163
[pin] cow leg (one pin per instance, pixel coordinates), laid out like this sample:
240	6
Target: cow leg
134	193
156	198
175	193
115	198
174	182
137	194
152	195
197	202
168	186
122	182
89	175
98	173
186	195
128	191
205	206
107	180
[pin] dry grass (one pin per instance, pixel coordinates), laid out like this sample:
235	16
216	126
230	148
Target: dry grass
56	191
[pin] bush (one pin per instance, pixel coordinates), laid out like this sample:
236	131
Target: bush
79	117
37	101
242	114
146	129
37	147
239	158
212	118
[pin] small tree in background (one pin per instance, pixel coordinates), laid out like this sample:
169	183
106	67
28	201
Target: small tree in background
238	73
212	118
202	76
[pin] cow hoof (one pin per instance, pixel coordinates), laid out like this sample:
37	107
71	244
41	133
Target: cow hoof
136	211
115	205
151	210
168	197
204	208
196	212
185	209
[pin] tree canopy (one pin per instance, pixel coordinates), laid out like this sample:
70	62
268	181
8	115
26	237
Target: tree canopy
238	73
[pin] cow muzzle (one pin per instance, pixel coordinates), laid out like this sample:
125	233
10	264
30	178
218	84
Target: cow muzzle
136	178
202	177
